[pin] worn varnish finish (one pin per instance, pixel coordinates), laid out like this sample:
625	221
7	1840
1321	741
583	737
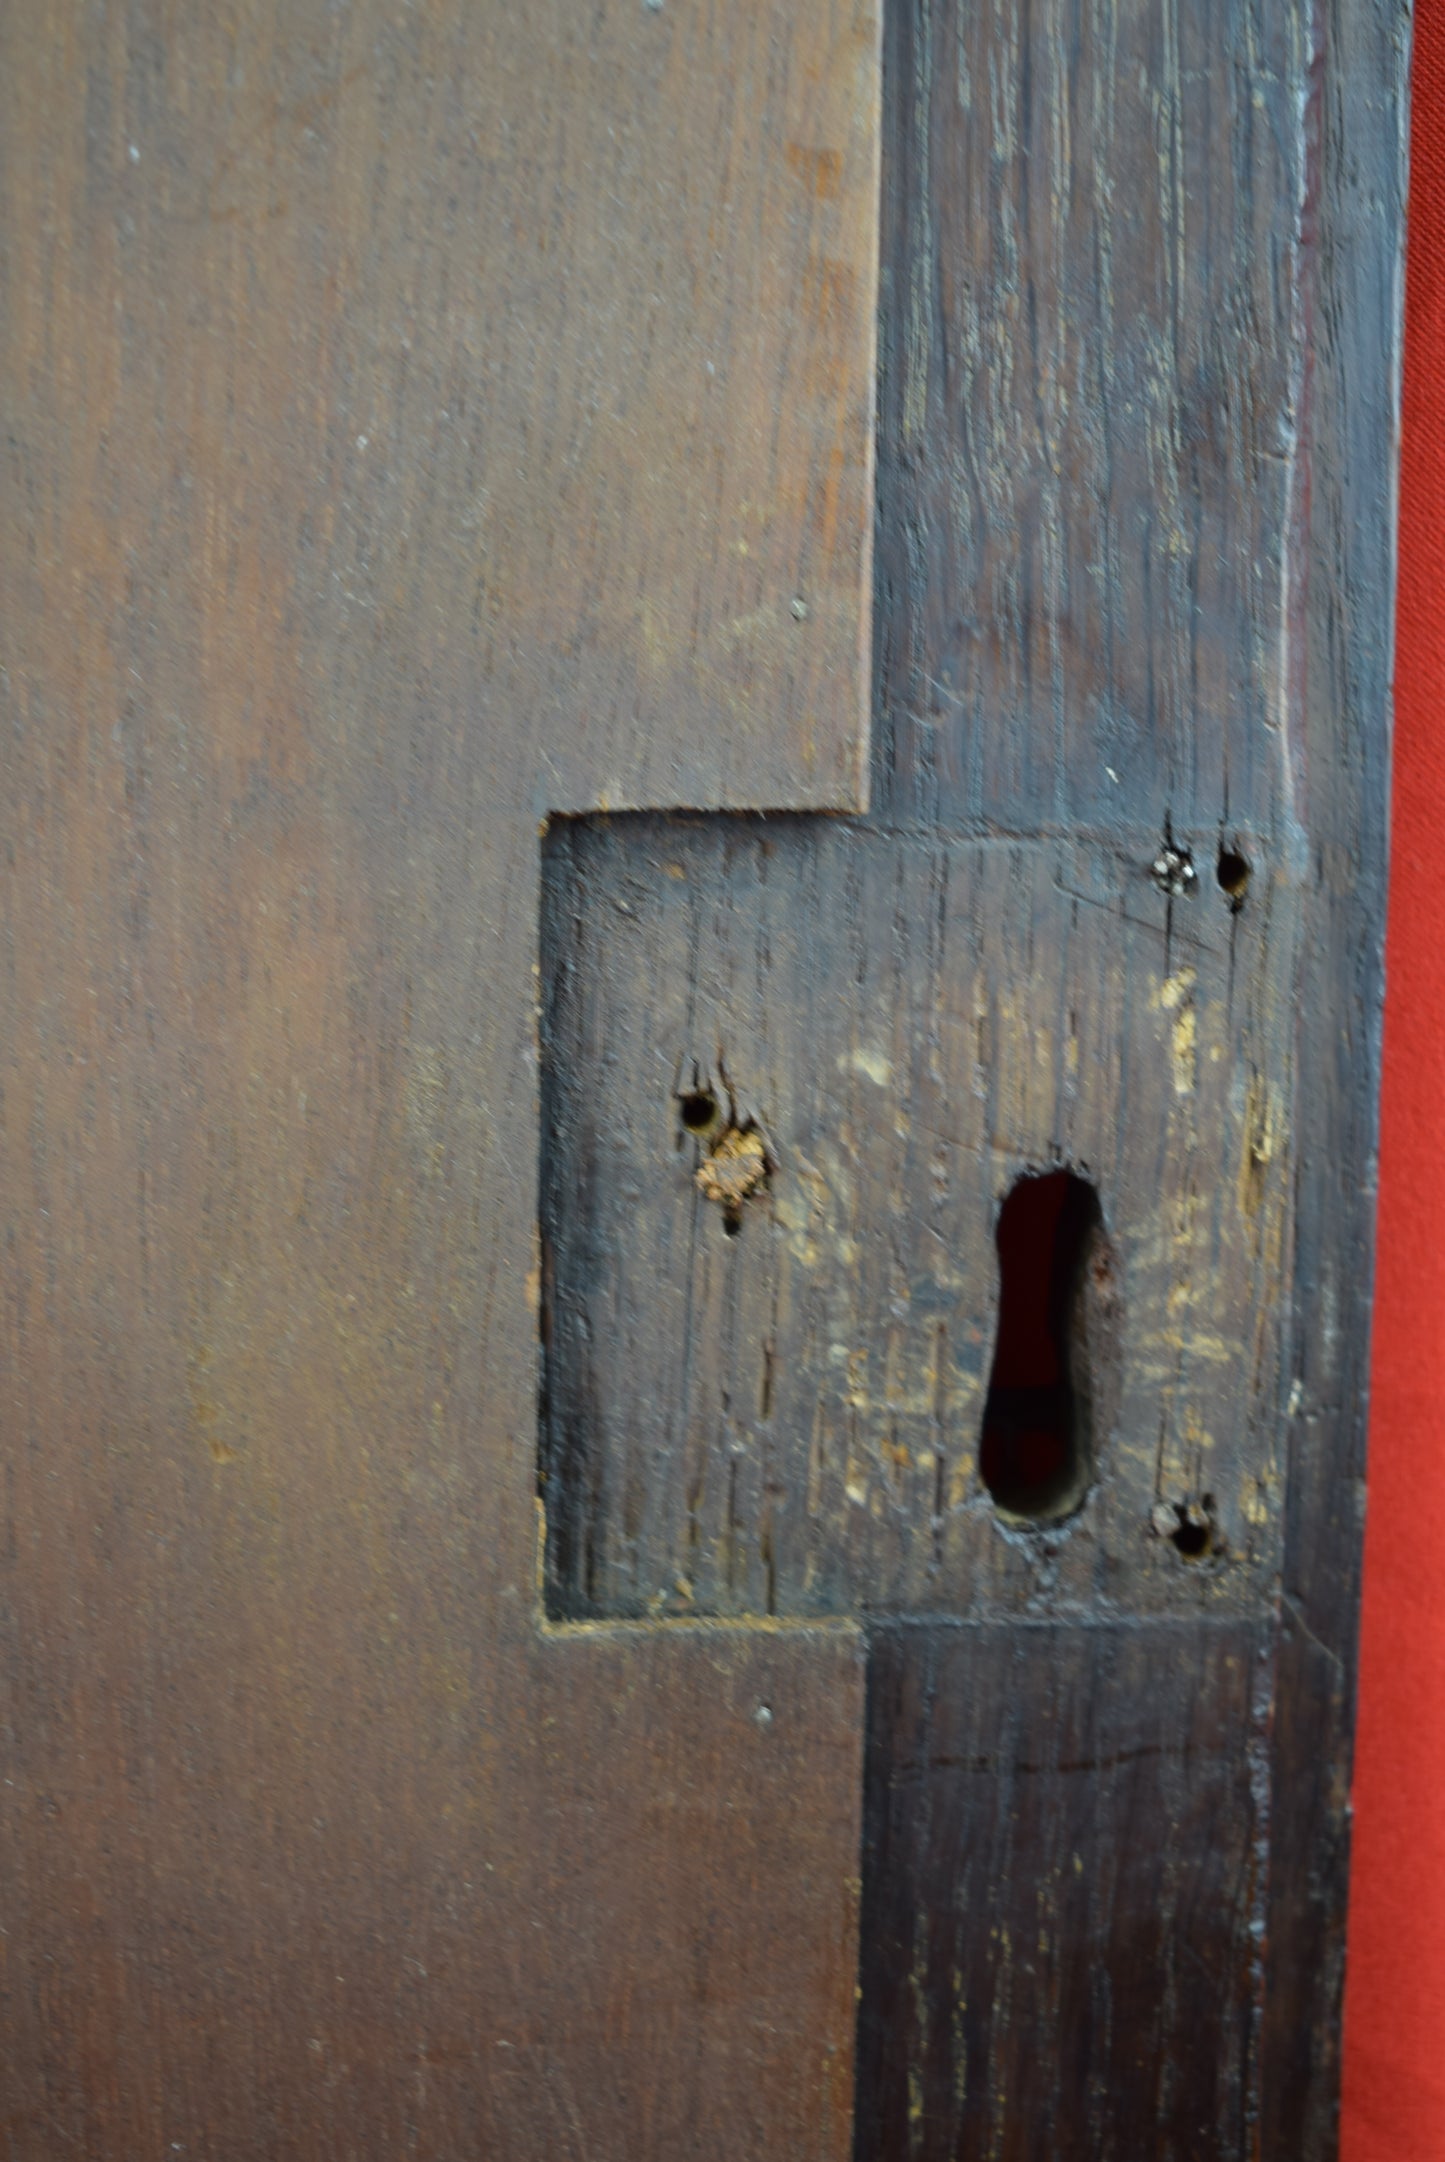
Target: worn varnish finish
1140	327
783	1416
418	427
1096	296
1067	1845
1348	540
414	421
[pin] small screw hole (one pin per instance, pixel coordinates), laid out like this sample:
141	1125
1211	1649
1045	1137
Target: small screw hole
1232	871
1189	1526
698	1109
732	1223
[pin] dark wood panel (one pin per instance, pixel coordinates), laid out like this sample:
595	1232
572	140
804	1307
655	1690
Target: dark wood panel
1093	347
780	1411
1018	463
1065	1892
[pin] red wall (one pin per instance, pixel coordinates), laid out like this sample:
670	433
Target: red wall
1395	1992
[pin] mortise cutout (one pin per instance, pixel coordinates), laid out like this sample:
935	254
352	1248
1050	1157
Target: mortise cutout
1037	1448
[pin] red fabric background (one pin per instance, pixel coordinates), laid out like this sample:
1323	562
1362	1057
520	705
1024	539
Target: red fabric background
1395	1991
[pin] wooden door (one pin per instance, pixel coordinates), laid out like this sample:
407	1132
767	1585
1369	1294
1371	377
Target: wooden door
674	675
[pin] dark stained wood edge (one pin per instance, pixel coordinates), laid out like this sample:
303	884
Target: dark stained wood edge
1360	145
1062	1886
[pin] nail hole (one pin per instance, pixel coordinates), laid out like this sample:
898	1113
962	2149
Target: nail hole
1189	1526
698	1109
1232	871
732	1222
1036	1448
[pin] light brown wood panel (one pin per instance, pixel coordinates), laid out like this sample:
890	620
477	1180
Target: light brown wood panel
414	419
524	356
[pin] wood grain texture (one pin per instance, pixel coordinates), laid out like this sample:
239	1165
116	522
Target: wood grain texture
1312	106
330	1885
1360	155
529	358
1134	591
367	494
419	424
1066	1876
1095	310
786	1419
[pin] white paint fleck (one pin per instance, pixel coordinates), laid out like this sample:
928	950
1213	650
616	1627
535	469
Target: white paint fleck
873	1064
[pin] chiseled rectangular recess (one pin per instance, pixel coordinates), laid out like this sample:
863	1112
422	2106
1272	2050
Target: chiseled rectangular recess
782	1414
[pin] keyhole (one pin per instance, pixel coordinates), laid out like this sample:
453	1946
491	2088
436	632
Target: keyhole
1036	1450
1232	871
